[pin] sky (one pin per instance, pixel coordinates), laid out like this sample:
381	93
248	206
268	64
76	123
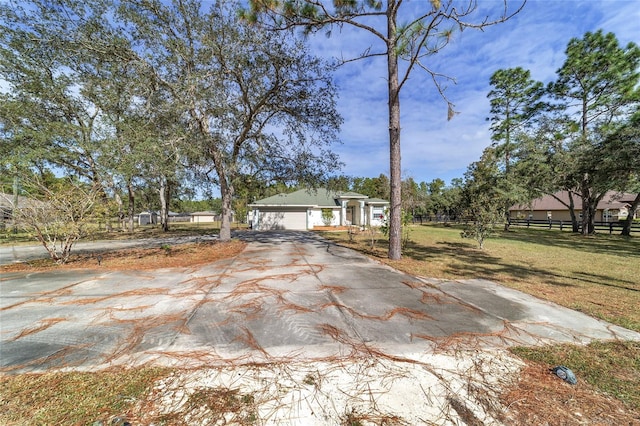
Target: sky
433	147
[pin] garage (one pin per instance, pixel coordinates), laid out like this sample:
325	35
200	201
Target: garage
311	208
282	219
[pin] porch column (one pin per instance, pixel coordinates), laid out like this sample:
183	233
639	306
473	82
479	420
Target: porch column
363	219
343	213
256	219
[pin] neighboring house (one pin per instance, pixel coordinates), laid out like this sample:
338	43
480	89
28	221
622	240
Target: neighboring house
303	210
208	217
7	206
204	217
613	207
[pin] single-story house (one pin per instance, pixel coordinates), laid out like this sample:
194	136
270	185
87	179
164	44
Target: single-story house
307	209
208	216
613	207
7	206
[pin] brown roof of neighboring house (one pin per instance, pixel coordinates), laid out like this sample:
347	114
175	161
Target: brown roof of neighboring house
611	200
7	201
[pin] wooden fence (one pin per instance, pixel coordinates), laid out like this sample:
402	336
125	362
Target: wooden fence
609	227
559	224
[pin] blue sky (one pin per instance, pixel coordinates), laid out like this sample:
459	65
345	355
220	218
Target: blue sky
433	147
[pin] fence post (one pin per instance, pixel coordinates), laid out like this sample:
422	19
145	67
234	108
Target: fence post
528	221
561	225
610	228
549	223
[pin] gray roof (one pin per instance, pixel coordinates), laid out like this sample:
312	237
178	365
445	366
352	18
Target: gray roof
350	194
305	197
205	213
320	197
376	201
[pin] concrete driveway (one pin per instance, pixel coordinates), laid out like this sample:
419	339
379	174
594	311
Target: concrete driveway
287	295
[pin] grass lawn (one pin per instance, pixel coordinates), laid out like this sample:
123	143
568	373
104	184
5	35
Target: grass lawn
73	398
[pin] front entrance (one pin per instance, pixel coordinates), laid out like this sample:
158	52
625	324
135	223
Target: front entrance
350	215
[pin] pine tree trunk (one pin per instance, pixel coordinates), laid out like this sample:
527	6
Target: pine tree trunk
395	219
586	206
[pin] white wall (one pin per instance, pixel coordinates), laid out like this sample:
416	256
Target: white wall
315	218
373	211
202	219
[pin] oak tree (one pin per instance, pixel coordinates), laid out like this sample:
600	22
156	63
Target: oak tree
255	103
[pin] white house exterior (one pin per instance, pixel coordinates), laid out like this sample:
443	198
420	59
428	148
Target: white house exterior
303	210
204	217
208	216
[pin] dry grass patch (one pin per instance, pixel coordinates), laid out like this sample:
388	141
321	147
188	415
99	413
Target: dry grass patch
611	367
163	256
607	392
73	398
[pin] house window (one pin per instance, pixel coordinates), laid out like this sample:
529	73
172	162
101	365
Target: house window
378	213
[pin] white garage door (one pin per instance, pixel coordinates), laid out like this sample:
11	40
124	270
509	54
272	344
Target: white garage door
296	220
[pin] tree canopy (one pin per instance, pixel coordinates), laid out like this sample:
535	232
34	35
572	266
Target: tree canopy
148	93
579	134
